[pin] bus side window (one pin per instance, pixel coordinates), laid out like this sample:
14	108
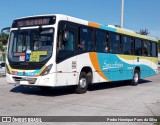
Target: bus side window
132	46
115	43
127	45
138	47
101	41
146	48
82	42
65	44
107	46
154	49
68	44
86	40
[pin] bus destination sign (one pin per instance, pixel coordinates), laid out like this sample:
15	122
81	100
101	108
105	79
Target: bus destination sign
33	21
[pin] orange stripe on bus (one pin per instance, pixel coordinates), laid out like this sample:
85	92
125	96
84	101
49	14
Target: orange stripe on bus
44	67
95	63
95	25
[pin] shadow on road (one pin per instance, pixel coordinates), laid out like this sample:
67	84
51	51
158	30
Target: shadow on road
144	81
55	91
60	91
110	85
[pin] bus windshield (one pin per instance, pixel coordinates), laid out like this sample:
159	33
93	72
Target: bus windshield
31	45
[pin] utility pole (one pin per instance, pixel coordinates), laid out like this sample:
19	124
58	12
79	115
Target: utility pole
122	14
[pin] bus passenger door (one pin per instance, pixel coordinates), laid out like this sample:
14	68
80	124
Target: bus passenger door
66	59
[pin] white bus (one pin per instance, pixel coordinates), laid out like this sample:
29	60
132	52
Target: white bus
60	50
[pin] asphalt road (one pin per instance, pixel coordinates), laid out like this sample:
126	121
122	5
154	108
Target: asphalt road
107	99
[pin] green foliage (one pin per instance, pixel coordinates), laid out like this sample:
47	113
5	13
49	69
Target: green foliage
5	38
158	123
2	57
0	38
144	32
159	46
2	48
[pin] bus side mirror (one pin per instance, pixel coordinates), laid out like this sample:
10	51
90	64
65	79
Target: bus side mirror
65	36
5	34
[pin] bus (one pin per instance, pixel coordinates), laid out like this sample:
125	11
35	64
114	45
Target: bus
60	50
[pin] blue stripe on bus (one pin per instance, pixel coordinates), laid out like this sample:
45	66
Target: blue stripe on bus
34	73
107	28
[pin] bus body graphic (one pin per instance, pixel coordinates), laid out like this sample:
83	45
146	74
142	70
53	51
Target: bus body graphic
124	68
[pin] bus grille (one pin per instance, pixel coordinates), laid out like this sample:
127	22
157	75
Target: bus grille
30	80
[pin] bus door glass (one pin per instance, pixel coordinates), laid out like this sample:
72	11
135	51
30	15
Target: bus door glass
65	59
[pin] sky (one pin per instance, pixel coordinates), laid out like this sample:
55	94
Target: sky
138	14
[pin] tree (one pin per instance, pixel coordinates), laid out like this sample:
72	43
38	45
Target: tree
144	32
0	38
2	51
5	38
159	46
2	48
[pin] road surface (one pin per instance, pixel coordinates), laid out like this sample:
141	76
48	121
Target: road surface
107	99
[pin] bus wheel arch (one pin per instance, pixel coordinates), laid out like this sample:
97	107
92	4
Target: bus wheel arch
89	73
85	78
136	76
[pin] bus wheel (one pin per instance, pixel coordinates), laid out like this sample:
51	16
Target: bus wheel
82	84
136	77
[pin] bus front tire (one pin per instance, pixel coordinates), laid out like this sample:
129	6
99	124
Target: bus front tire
82	84
136	78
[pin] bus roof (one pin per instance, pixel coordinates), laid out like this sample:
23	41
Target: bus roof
111	28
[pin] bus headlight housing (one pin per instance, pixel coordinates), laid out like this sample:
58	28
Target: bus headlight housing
47	70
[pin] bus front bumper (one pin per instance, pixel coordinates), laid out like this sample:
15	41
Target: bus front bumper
46	80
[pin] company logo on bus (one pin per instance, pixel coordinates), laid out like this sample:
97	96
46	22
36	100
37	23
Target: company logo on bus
107	66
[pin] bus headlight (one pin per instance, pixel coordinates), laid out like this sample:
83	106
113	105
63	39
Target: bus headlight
47	69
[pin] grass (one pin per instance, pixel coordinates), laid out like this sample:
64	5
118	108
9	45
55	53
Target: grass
158	123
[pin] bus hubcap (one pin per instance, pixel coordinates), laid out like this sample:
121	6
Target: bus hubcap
83	83
136	77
